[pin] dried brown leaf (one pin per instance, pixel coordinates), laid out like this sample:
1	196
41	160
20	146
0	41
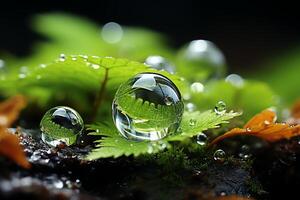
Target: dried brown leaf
9	143
263	126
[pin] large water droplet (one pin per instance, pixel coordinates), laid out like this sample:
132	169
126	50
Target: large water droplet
219	155
202	139
147	107
61	124
112	32
220	108
159	63
204	58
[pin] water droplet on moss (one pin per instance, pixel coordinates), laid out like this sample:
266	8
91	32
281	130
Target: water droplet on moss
202	139
159	63
61	124
219	155
147	107
220	108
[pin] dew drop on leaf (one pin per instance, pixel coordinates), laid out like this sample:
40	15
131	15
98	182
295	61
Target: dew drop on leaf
160	63
192	122
220	108
202	139
219	155
61	124
147	107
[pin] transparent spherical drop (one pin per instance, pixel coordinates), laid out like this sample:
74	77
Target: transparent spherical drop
202	57
61	124
220	108
147	107
159	63
202	139
219	155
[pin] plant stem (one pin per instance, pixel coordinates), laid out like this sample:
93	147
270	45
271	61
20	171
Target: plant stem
100	95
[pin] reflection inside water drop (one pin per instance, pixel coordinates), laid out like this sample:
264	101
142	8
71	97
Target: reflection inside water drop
147	107
61	124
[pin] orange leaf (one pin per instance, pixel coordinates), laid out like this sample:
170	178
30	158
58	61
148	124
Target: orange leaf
263	126
9	143
10	109
233	197
296	110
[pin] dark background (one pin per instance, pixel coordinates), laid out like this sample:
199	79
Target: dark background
248	32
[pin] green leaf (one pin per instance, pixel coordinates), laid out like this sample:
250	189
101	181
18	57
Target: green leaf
202	121
78	77
113	145
282	73
71	34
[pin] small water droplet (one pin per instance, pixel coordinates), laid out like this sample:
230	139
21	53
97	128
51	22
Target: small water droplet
35	156
2	64
197	87
219	155
95	66
112	32
248	129
149	90
159	63
220	108
74	58
61	124
202	139
235	80
58	184
150	148
245	152
43	65
62	57
192	122
266	122
190	107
